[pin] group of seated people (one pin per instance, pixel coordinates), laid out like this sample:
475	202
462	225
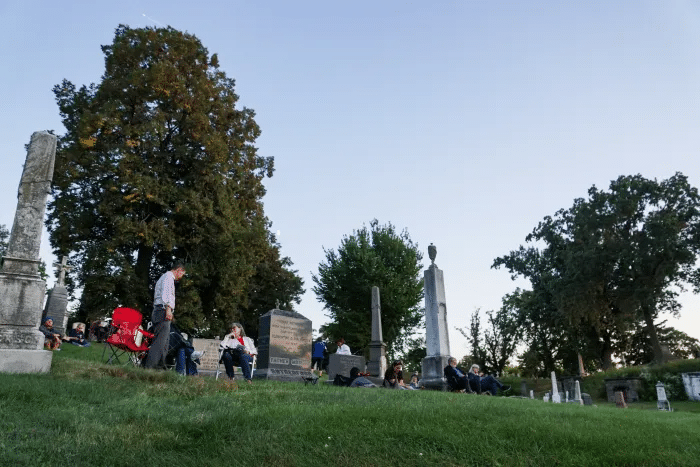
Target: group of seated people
53	338
472	382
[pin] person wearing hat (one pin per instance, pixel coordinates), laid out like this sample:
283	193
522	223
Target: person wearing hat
52	339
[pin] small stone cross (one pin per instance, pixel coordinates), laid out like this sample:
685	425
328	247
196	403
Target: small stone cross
63	267
277	303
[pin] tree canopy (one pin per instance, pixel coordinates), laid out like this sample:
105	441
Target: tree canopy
379	256
158	164
616	258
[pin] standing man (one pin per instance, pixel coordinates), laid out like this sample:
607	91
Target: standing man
318	355
163	307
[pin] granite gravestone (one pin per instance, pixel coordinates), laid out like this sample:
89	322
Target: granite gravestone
57	303
691	383
342	364
208	362
436	336
377	349
662	401
284	353
556	397
21	287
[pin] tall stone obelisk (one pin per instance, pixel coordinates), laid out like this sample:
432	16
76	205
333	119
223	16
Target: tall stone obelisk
377	349
21	288
436	336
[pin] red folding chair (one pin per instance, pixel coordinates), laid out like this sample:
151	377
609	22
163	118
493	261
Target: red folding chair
126	337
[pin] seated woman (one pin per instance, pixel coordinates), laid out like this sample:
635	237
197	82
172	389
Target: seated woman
393	377
77	335
52	339
238	349
343	348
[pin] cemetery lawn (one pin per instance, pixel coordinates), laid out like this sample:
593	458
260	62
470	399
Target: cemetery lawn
85	413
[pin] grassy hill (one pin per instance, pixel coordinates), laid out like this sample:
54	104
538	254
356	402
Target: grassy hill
85	413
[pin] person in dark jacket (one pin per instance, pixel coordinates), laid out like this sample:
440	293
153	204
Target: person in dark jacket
456	377
77	336
183	352
485	383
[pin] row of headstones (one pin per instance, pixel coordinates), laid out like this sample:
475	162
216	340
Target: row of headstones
556	396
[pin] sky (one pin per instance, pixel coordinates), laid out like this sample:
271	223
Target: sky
463	122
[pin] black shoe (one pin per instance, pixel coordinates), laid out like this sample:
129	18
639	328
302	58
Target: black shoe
505	388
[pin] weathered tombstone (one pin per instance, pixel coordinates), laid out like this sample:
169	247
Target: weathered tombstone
620	399
436	336
21	287
662	401
284	353
342	364
377	349
57	303
577	393
208	362
586	398
556	398
546	397
532	394
691	382
523	388
630	388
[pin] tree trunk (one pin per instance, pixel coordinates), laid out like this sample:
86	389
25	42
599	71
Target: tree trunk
653	336
142	270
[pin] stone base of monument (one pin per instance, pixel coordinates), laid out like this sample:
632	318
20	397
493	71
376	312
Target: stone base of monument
342	364
283	374
25	361
433	372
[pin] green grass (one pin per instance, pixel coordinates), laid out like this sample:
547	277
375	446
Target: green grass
85	413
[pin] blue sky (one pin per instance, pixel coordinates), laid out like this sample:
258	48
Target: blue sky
463	122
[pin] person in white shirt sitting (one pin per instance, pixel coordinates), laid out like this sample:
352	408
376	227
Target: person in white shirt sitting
343	349
238	349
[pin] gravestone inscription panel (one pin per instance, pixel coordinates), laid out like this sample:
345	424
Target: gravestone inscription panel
284	346
210	360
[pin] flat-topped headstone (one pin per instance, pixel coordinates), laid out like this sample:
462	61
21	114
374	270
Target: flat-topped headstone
210	360
284	353
586	398
342	364
21	288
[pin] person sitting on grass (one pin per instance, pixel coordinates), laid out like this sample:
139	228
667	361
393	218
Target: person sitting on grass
52	339
485	384
415	384
393	378
77	335
456	377
237	348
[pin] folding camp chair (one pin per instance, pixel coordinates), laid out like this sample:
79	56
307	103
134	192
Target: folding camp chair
220	364
126	337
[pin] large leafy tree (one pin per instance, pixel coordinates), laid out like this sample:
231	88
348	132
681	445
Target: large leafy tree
616	258
158	163
375	256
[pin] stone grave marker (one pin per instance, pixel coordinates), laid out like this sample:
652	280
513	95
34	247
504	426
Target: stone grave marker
691	382
577	393
57	303
284	353
341	365
210	360
662	401
523	388
21	287
620	400
377	349
556	397
436	335
532	394
586	398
